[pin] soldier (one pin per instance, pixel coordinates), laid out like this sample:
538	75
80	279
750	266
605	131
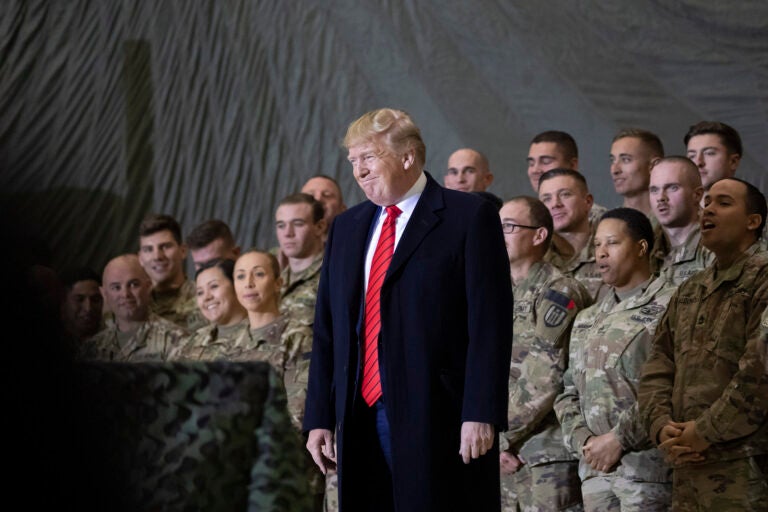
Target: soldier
326	190
136	333
536	467
704	389
633	153
83	304
675	192
300	226
218	303
275	338
211	240
468	171
556	150
162	255
619	468
716	150
566	195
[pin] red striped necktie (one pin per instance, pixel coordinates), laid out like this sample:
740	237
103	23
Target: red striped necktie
382	256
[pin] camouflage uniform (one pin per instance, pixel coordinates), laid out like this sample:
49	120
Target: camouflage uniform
299	292
179	306
708	365
679	263
283	343
581	266
298	298
609	343
546	302
595	213
763	347
157	339
213	342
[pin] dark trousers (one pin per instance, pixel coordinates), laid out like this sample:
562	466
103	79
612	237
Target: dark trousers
366	483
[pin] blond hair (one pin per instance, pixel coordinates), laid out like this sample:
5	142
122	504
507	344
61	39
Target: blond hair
393	129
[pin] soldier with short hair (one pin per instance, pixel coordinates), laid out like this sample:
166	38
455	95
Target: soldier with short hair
83	304
537	469
468	171
619	467
300	226
633	154
554	149
566	194
136	334
704	390
162	254
211	240
675	192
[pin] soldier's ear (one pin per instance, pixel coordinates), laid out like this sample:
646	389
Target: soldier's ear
643	248
540	236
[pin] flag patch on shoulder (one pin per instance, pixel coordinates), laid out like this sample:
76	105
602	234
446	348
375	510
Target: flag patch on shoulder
559	299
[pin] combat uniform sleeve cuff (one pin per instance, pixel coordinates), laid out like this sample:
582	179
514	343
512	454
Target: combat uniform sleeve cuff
656	427
503	443
623	441
705	429
579	438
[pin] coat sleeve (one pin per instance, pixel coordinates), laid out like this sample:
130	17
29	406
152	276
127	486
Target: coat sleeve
319	409
489	303
743	406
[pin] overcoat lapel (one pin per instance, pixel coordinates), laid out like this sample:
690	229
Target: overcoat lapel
423	220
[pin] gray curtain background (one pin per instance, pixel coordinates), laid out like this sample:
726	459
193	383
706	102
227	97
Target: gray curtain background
201	109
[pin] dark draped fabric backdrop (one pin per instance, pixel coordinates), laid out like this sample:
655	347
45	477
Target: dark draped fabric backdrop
201	109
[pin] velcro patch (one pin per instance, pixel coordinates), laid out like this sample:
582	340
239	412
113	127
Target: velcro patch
560	299
555	315
652	309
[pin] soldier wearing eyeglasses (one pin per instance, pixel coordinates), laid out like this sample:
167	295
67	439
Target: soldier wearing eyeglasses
537	471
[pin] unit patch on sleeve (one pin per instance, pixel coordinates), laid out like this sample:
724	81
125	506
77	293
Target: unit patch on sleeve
558	310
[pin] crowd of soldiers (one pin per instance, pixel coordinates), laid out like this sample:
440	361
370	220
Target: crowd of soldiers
639	378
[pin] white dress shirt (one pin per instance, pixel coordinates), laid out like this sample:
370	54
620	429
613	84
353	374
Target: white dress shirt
406	205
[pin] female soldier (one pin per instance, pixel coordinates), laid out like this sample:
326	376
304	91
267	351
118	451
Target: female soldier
218	304
610	341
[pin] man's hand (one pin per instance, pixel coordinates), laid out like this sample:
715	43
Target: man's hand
509	463
320	446
686	447
602	452
476	440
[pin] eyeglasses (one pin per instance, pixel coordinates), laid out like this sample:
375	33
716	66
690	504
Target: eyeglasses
509	227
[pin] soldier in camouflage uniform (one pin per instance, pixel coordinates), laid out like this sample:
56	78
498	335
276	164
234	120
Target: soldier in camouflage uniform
300	225
704	389
135	334
619	468
218	303
326	190
278	339
633	153
556	150
566	195
162	255
537	470
211	240
82	306
676	191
